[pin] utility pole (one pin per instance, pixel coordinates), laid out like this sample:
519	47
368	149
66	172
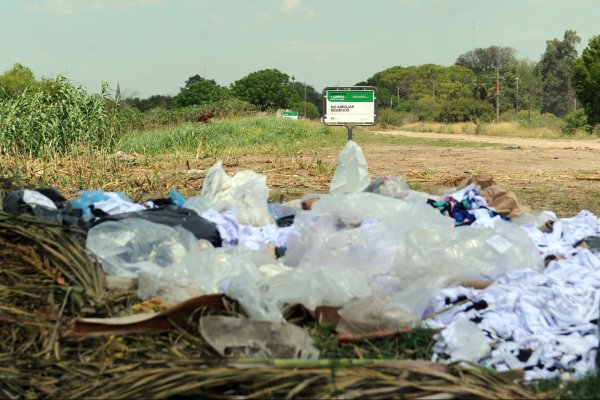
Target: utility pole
497	94
517	98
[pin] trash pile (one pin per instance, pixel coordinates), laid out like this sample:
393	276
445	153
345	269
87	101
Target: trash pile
507	288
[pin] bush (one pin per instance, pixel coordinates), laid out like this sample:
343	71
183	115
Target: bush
427	109
575	120
391	117
465	110
535	119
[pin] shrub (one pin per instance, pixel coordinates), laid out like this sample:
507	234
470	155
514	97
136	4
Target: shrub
575	120
391	117
465	110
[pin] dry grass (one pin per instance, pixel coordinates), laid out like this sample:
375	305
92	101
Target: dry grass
48	279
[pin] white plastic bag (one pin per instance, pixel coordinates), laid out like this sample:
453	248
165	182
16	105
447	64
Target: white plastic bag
132	245
246	191
351	172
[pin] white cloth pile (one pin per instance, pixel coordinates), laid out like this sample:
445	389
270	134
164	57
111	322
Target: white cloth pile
545	323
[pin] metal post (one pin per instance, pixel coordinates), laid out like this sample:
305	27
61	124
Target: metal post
305	101
497	95
349	131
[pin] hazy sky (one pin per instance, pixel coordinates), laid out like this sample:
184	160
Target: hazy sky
153	46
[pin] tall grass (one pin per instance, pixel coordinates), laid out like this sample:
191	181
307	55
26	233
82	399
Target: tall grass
241	135
161	117
61	117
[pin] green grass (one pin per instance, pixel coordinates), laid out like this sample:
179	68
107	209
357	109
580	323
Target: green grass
257	135
586	388
263	135
413	345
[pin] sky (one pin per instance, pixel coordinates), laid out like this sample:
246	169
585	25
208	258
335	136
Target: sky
152	46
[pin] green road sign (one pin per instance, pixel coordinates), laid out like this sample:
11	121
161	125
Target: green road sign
355	105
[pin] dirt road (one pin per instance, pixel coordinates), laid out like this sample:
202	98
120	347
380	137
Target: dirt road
558	175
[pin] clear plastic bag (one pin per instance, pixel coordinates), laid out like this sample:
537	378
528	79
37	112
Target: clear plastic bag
246	191
352	172
132	245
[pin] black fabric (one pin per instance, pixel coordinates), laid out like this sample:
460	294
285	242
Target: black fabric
280	251
172	215
65	214
285	221
53	194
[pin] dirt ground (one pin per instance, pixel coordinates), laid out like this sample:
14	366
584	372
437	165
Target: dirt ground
558	175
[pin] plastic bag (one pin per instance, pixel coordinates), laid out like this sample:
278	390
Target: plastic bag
428	259
243	338
396	187
465	341
373	313
352	172
360	232
132	245
246	191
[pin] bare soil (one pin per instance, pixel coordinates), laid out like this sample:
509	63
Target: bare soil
558	175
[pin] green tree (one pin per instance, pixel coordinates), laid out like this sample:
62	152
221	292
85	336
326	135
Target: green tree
586	80
486	63
312	97
154	101
405	87
483	60
312	112
530	86
556	68
16	80
198	92
268	89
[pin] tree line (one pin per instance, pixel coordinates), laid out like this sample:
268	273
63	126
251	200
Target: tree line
481	84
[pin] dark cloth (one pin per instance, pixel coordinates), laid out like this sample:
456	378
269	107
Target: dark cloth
172	215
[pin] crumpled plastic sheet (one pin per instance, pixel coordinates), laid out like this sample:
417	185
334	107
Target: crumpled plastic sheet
406	250
352	172
131	245
246	191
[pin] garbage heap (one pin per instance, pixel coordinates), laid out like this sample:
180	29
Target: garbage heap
505	287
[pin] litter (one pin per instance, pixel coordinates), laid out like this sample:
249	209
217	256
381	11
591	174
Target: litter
352	171
375	252
232	336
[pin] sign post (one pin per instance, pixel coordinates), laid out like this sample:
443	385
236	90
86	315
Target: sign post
350	107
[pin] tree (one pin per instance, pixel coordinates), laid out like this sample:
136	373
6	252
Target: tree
201	91
486	63
155	101
312	97
193	79
586	80
404	87
556	68
269	89
530	86
16	80
485	60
